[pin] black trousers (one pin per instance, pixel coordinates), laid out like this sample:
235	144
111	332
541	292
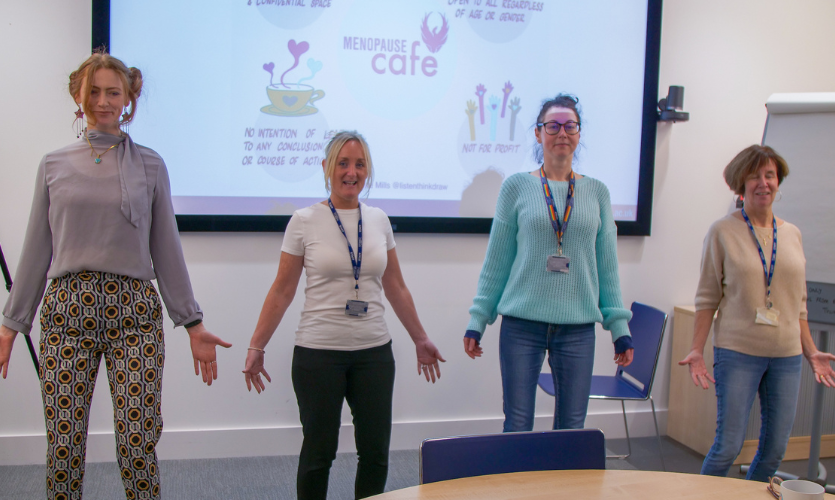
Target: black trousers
322	379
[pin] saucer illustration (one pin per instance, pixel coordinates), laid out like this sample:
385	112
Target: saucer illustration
272	110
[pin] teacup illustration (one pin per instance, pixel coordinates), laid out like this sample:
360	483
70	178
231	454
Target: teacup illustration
292	97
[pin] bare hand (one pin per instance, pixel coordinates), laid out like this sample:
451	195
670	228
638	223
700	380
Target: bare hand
624	358
472	348
819	362
7	336
698	370
427	360
203	344
253	369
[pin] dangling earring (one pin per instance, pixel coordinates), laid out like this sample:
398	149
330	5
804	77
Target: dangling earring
78	123
781	195
125	125
739	202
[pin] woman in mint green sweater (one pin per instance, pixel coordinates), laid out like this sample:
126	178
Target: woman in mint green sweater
551	271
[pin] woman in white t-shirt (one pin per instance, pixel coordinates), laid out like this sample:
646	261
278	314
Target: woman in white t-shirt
343	347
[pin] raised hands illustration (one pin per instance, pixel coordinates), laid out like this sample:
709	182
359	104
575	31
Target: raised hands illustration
514	110
506	90
480	90
471	108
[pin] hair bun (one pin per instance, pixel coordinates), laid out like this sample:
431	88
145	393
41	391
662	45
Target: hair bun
135	81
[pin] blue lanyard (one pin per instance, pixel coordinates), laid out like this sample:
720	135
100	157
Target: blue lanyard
769	273
355	262
559	229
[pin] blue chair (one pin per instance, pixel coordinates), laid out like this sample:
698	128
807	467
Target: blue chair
633	382
466	456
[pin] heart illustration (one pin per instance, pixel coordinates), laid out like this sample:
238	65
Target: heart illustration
314	65
269	68
289	100
297	49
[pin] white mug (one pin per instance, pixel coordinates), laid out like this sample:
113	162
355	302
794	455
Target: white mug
796	489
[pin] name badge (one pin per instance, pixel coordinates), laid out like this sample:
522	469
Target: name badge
557	264
766	316
357	308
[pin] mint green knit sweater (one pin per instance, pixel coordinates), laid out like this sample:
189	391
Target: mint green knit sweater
514	280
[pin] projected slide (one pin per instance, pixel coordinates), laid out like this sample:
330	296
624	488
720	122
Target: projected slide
241	96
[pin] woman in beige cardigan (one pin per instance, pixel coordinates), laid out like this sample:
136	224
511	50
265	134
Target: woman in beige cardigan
760	329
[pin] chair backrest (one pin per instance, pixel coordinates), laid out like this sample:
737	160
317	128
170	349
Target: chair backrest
647	328
466	456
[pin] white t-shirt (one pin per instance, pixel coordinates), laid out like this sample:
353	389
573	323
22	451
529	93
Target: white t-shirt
313	233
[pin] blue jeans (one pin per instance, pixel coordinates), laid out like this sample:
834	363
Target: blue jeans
522	347
738	378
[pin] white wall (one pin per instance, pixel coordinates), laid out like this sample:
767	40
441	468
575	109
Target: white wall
730	56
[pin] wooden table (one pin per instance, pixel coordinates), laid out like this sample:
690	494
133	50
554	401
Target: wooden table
614	484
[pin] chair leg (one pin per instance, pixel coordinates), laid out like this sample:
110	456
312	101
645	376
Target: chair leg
626	426
628	441
658	436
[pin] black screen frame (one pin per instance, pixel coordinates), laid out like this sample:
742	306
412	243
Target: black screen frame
642	226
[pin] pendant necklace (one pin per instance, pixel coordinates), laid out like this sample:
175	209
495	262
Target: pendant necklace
98	156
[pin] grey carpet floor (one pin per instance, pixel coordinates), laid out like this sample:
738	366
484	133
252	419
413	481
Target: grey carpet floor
256	478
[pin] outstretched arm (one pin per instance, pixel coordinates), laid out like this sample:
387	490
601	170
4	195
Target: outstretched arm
203	344
401	301
819	361
695	359
173	280
278	300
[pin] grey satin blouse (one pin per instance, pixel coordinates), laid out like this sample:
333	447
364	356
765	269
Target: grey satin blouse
115	216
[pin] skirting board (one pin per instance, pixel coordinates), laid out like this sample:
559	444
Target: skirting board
177	444
798	449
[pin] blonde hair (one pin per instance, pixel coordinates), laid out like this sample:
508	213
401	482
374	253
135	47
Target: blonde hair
748	161
81	80
332	156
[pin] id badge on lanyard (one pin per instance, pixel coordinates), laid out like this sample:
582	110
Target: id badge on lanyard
767	315
558	263
353	307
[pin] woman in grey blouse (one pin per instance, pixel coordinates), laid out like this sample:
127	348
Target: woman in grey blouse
101	227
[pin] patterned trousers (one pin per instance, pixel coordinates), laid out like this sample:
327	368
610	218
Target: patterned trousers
85	316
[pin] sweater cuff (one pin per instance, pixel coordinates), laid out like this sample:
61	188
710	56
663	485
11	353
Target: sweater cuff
472	334
618	329
17	326
623	344
477	325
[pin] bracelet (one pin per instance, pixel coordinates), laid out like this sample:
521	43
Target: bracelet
256	349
